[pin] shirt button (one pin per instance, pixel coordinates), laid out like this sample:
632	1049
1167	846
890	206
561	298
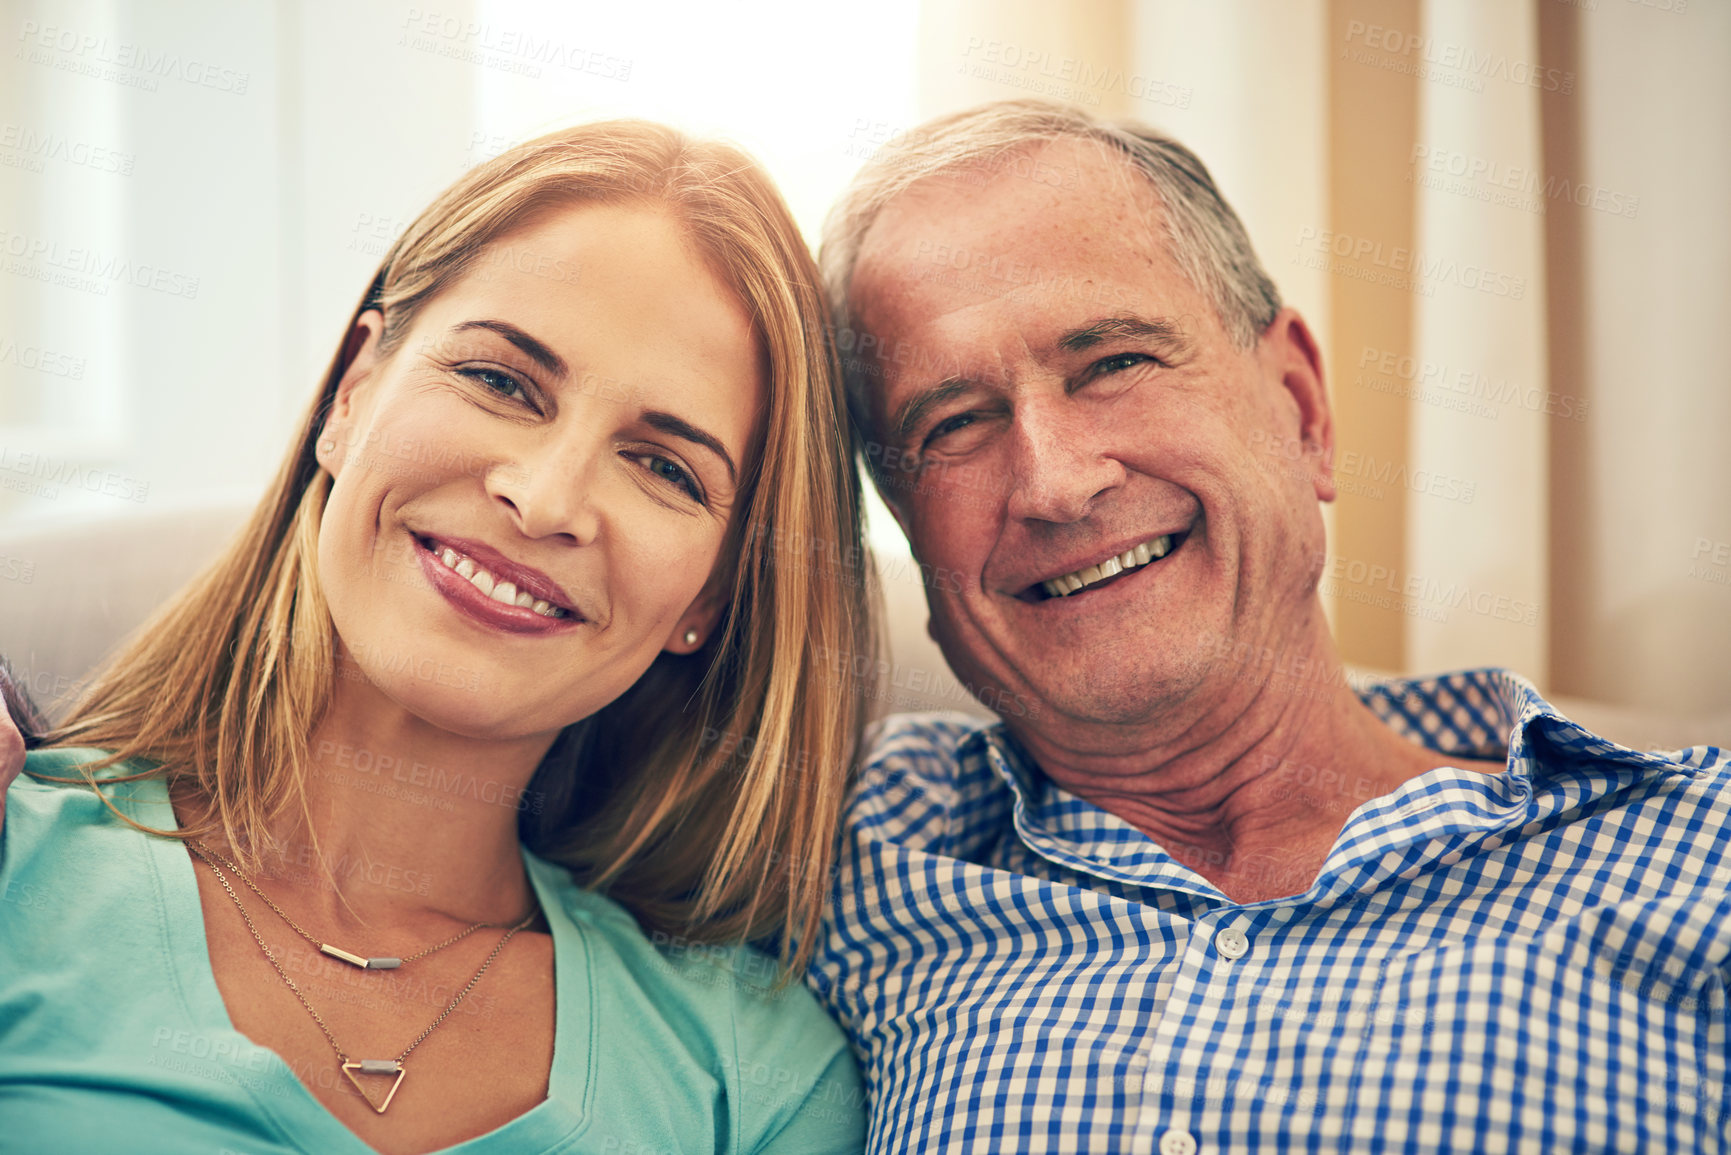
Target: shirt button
1231	943
1177	1143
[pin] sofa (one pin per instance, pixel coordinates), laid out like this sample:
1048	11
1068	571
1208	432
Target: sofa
72	587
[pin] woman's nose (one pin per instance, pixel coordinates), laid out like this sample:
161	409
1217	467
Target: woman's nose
549	488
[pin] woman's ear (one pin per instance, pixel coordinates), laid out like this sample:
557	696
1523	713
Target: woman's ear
698	623
361	355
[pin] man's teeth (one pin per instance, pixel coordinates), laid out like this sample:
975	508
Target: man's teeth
499	591
1141	555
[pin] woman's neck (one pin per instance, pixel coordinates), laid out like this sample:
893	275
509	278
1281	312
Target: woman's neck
415	824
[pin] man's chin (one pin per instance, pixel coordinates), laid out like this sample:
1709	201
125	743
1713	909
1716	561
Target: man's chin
1107	693
1048	681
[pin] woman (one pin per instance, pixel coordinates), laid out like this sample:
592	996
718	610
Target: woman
370	838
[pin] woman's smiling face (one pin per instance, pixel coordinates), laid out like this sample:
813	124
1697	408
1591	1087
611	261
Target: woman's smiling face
573	417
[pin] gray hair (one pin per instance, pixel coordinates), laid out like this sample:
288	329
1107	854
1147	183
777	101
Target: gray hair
1204	235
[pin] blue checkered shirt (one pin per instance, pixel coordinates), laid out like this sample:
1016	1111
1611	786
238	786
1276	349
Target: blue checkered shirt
1528	961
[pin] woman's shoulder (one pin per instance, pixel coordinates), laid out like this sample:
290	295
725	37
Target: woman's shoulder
70	762
60	776
741	976
772	1042
52	799
69	866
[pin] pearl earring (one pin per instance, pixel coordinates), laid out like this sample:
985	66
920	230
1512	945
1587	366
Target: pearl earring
691	637
327	445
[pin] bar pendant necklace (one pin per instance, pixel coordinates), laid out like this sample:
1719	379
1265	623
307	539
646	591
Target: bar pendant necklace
354	1069
366	964
383	963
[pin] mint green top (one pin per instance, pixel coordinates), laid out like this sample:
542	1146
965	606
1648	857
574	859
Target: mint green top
114	1038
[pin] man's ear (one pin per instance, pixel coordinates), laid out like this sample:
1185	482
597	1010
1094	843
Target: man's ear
1289	351
361	354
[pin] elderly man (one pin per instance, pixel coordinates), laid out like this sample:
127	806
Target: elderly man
1194	892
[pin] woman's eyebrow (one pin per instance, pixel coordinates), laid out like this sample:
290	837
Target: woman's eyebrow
679	427
537	350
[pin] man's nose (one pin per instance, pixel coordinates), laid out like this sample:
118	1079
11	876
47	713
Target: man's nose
549	488
1058	463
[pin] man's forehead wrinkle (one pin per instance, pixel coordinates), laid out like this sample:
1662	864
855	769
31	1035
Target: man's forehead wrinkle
1134	190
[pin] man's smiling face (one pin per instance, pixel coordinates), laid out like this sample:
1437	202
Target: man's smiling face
1063	407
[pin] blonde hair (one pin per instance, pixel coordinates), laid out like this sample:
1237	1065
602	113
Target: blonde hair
719	829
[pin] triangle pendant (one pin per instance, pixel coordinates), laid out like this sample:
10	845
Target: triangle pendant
385	1067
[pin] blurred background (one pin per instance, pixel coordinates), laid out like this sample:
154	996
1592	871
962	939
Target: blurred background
1506	220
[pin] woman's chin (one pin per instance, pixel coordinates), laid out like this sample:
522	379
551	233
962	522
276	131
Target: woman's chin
475	706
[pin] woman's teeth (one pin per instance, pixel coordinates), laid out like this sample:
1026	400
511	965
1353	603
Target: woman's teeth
503	592
1141	555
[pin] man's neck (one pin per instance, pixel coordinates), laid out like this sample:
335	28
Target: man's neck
1250	781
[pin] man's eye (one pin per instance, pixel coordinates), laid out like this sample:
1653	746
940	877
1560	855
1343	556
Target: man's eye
1119	362
497	381
671	472
949	425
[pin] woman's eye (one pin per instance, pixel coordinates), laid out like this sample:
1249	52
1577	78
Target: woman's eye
671	472
498	382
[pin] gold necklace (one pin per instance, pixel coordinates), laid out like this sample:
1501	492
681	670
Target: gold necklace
350	1066
380	963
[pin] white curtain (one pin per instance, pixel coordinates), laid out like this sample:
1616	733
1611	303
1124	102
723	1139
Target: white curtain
1480	565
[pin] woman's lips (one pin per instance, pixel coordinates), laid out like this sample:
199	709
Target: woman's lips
468	599
499	569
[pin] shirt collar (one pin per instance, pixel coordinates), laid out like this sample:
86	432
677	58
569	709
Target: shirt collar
1483	713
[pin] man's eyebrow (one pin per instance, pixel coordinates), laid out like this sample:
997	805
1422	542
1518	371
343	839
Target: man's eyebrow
907	416
537	351
1136	328
679	427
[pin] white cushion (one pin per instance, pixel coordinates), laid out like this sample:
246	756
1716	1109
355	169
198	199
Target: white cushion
85	584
